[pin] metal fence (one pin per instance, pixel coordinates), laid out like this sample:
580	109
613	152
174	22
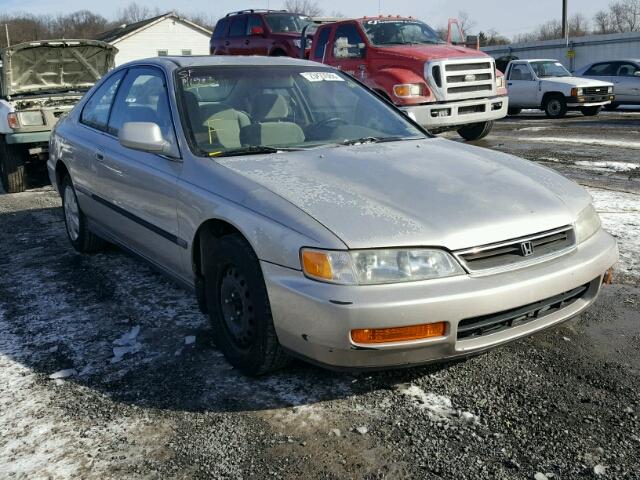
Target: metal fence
578	52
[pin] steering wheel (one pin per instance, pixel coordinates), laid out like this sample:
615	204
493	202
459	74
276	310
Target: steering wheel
331	121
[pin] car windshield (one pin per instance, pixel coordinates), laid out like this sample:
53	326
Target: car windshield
286	22
550	68
399	32
229	110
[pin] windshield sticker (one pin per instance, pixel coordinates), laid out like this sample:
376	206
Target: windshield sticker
322	77
395	20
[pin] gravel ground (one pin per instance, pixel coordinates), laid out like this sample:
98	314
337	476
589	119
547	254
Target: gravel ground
107	370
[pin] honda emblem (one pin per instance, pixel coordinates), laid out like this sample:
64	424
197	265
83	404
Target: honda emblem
526	248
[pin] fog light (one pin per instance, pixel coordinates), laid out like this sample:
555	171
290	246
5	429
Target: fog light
581	99
399	334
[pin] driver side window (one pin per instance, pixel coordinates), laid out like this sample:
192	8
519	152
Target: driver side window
348	43
521	72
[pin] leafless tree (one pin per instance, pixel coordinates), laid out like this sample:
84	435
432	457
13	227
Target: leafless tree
465	22
135	12
602	22
306	7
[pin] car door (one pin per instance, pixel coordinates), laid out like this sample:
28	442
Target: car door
522	86
140	187
626	82
255	42
237	36
349	50
87	143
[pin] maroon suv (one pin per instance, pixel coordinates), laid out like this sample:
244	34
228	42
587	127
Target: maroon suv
258	32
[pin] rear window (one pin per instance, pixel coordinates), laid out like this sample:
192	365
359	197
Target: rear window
286	22
599	70
221	29
321	44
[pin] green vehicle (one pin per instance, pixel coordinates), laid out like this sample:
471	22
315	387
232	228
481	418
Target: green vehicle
39	83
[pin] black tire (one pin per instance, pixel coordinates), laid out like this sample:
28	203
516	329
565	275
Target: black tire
239	309
12	169
612	106
514	111
555	106
475	131
278	53
590	111
85	241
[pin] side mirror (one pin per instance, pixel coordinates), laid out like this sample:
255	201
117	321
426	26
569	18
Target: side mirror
143	136
257	31
636	73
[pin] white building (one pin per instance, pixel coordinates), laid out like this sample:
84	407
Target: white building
166	34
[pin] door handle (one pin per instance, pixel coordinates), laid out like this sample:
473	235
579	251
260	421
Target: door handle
509	84
99	156
246	42
227	43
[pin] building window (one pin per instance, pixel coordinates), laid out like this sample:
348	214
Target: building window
163	53
186	53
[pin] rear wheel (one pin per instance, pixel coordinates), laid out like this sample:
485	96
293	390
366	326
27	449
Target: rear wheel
555	106
590	111
475	131
12	168
514	111
82	239
239	308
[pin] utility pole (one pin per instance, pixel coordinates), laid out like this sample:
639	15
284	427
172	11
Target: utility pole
6	31
565	20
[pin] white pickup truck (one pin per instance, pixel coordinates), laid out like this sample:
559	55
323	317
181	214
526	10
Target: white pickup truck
39	82
547	85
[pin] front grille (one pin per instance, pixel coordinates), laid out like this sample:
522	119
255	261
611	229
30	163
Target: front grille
496	322
596	90
461	79
471	109
513	253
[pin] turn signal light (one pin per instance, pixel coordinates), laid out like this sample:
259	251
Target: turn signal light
399	334
405	90
12	120
317	264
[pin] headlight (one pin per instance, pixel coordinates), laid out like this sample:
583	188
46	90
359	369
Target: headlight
372	267
577	92
31	119
406	90
297	42
610	90
500	82
588	224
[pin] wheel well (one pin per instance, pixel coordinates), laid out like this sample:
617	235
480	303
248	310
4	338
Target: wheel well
278	52
61	172
551	94
205	238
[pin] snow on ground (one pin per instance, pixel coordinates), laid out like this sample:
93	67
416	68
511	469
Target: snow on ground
608	166
601	142
620	215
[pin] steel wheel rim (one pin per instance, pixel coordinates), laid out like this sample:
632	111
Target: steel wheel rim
554	107
237	307
71	213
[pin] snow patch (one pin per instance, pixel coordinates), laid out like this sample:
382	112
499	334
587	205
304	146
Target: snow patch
438	406
69	372
585	141
608	166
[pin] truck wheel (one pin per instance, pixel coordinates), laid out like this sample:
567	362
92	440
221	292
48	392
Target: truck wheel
239	309
612	106
81	238
12	170
475	131
555	106
514	111
590	111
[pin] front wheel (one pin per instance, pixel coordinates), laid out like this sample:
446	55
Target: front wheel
555	106
612	106
81	238
12	169
590	111
239	308
475	131
514	111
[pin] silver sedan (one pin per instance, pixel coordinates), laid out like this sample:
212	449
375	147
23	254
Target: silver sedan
624	74
312	218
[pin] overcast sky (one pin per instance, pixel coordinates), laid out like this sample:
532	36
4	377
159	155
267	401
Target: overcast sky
507	17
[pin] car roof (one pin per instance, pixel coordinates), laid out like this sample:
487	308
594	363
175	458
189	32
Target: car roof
633	60
172	62
536	60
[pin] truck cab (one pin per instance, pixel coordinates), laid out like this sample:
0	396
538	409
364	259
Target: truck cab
440	85
547	85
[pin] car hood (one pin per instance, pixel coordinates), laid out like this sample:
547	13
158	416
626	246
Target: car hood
429	52
431	192
54	66
577	82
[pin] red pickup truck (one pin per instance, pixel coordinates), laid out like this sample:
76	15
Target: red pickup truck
440	85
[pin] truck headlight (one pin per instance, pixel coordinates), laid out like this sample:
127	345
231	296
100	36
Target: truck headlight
500	82
32	118
405	90
587	224
610	90
374	267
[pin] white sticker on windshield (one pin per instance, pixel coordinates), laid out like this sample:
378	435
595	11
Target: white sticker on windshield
322	76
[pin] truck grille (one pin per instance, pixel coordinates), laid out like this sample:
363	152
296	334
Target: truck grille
518	252
596	90
496	322
461	79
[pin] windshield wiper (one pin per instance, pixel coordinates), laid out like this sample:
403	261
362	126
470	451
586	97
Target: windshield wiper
357	141
252	150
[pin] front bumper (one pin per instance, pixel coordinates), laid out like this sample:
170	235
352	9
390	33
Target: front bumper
314	319
28	137
445	115
590	100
